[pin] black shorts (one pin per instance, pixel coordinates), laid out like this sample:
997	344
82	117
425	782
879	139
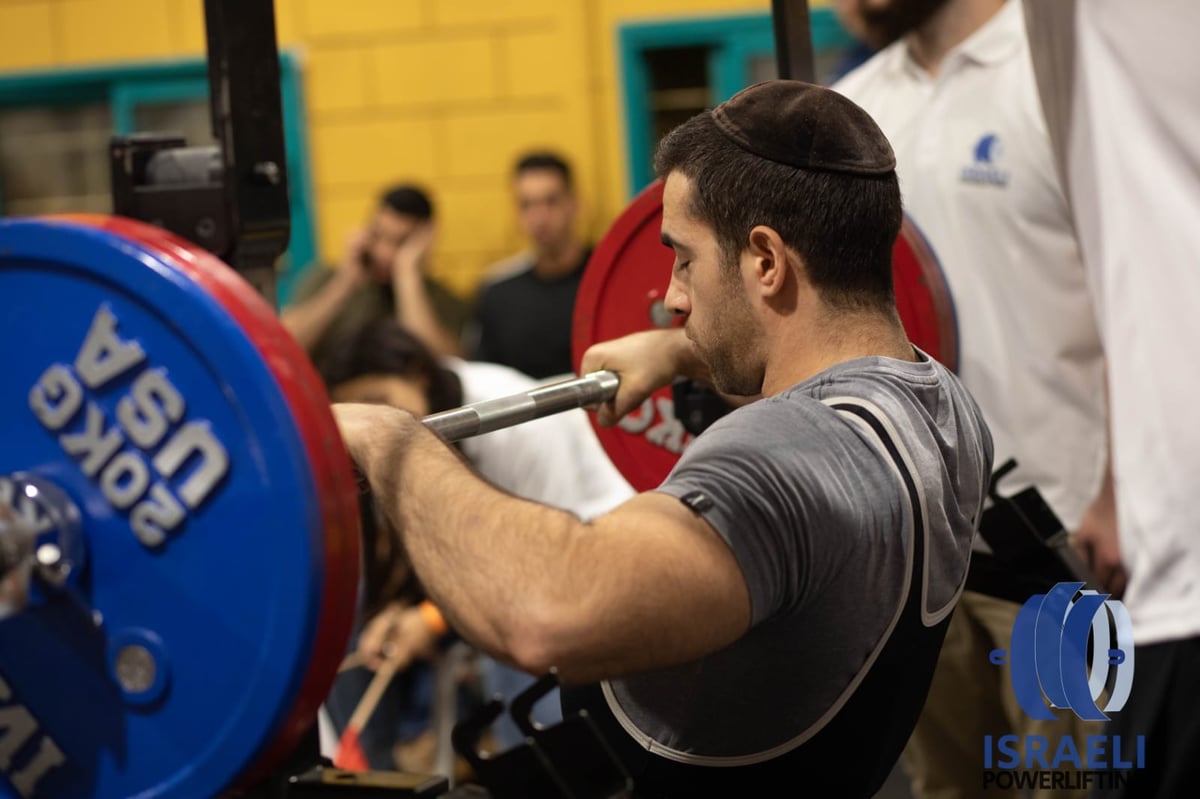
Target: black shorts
1164	706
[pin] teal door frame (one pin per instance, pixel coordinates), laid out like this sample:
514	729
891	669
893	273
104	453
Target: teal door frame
125	86
733	41
125	96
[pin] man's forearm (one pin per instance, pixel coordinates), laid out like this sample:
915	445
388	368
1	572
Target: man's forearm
646	585
415	312
308	321
489	560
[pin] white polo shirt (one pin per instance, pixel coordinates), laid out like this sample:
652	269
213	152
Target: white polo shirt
977	177
1126	107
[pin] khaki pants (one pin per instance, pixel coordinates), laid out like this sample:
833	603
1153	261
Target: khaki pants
970	698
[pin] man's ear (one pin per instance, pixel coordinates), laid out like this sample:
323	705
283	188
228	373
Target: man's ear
770	258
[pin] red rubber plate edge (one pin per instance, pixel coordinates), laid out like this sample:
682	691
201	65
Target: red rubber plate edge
937	290
330	462
593	290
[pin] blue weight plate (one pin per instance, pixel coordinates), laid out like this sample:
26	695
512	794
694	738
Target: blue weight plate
327	456
172	664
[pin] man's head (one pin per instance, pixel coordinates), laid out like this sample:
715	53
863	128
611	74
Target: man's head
785	191
881	22
385	364
546	202
401	211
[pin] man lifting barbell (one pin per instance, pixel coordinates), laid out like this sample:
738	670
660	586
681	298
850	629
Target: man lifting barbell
790	583
384	363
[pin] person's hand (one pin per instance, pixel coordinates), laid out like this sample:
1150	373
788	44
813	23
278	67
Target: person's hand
645	361
1096	540
411	254
354	256
397	635
370	430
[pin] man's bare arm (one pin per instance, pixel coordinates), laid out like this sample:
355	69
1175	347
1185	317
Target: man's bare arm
1096	537
414	310
646	362
307	321
647	585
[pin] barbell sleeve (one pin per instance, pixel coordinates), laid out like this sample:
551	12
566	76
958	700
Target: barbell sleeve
495	414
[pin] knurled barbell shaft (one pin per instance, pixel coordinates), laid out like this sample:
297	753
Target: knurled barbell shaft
495	414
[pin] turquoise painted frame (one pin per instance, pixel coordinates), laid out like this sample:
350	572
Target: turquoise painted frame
124	86
126	95
734	39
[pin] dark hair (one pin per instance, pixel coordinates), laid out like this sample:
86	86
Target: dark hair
383	347
409	201
844	226
544	160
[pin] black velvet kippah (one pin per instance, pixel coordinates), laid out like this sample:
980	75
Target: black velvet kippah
805	126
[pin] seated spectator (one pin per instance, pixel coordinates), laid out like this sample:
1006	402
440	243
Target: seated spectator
383	274
523	319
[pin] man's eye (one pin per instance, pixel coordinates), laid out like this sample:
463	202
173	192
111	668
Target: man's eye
682	265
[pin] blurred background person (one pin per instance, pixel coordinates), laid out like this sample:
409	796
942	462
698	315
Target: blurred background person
1119	88
861	48
524	320
384	273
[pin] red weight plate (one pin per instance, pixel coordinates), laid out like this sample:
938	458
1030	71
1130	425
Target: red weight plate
622	292
923	296
330	463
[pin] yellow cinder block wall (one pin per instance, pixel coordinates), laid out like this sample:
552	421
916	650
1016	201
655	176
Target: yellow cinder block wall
445	92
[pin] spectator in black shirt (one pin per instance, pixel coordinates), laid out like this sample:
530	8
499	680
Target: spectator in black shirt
523	320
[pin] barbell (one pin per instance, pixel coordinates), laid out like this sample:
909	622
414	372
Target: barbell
179	519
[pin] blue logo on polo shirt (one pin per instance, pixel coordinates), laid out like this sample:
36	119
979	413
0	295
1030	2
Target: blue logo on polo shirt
985	168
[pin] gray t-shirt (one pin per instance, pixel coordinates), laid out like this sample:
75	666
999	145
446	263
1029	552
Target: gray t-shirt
814	504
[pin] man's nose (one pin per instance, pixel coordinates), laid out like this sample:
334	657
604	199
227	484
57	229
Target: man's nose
677	300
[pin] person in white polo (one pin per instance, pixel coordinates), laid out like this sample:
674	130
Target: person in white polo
956	96
1120	86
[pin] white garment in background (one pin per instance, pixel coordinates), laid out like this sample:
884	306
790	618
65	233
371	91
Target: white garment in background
557	460
1121	85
